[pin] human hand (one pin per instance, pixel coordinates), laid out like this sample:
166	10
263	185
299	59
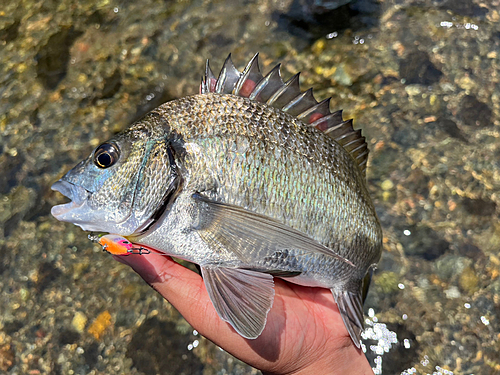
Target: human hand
304	333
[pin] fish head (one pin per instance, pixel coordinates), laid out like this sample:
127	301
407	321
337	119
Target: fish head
122	183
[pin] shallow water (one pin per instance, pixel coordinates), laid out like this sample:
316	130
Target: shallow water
421	78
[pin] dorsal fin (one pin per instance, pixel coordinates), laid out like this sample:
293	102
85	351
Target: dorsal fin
228	77
287	97
249	78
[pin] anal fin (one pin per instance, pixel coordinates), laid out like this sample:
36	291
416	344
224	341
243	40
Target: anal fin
351	309
241	297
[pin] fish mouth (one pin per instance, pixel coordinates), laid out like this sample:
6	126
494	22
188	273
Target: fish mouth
76	194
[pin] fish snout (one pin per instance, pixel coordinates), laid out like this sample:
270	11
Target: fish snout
76	194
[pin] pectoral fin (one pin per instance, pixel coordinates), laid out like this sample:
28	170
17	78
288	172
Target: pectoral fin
241	297
247	234
351	309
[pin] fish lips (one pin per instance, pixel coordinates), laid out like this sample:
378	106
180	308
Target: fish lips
79	212
72	211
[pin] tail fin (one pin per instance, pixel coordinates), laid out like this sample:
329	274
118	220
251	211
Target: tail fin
351	309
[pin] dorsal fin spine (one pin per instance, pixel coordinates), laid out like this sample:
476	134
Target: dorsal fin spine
290	86
287	97
249	79
266	85
228	77
358	148
332	128
295	100
321	109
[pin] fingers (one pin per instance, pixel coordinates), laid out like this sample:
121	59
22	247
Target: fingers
184	289
179	285
160	269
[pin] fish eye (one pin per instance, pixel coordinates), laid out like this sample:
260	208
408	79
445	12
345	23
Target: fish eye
106	155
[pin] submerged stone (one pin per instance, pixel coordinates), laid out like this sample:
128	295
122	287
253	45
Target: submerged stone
475	113
418	69
157	348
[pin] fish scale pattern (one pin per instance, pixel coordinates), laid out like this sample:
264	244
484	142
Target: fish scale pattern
288	97
265	160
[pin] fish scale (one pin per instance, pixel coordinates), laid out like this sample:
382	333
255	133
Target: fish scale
308	145
251	179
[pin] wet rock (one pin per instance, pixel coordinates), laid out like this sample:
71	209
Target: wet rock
402	355
349	73
418	182
468	281
153	47
7	357
47	274
494	287
80	269
450	127
96	18
157	348
405	137
11	171
479	207
79	321
452	292
25	294
315	19
418	69
35	118
485	305
306	20
12	327
153	97
470	251
112	85
52	59
424	243
387	282
91	354
387	185
451	266
218	39
68	336
474	113
463	8
322	6
100	324
4	259
11	224
10	33
19	205
56	368
389	262
125	318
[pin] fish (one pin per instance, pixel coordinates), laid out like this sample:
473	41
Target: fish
250	179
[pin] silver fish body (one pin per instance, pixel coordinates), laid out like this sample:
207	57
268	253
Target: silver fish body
249	179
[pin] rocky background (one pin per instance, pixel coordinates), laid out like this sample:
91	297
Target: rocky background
420	77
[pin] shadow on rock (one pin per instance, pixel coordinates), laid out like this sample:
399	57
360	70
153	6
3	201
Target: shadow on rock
158	348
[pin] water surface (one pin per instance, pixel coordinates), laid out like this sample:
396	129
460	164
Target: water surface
420	77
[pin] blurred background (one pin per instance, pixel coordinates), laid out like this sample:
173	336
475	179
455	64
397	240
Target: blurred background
420	77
